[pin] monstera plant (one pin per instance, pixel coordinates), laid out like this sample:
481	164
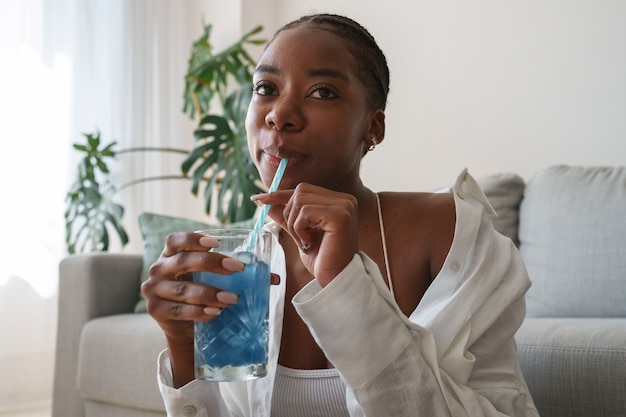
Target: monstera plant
221	155
218	88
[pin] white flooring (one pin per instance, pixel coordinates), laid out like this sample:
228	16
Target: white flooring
35	412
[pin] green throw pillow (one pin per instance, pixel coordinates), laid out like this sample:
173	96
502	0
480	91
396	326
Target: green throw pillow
155	228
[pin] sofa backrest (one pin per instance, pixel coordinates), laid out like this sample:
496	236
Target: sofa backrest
572	235
504	192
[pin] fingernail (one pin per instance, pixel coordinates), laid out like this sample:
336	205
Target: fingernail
208	242
233	265
227	297
212	311
257	196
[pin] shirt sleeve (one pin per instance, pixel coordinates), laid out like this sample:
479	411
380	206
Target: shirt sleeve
455	355
198	398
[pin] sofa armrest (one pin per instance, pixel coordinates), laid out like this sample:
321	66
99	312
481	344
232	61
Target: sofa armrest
92	285
96	285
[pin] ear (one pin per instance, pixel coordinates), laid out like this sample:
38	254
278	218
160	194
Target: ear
376	129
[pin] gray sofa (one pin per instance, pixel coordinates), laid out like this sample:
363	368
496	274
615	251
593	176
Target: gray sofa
569	222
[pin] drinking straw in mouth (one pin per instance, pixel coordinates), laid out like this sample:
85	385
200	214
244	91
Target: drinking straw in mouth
260	221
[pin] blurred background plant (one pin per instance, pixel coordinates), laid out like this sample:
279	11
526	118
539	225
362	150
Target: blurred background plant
218	89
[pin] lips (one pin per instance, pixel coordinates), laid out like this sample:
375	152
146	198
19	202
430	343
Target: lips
273	157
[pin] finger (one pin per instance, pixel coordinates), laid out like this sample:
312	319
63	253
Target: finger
277	201
274	279
182	264
312	221
311	209
282	201
182	300
277	197
187	241
276	213
167	310
191	293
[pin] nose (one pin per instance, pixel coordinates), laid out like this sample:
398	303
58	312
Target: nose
285	114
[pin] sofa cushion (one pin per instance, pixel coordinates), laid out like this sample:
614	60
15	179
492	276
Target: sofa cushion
573	241
504	192
574	367
117	361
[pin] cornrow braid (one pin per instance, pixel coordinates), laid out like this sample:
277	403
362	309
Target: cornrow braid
373	69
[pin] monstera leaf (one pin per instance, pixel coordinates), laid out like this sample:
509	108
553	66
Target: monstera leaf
221	160
209	75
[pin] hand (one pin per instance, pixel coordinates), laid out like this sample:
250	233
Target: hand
173	299
322	223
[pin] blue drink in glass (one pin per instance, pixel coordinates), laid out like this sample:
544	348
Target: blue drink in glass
233	346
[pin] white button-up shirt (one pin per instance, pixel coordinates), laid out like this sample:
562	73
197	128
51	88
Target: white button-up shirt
454	356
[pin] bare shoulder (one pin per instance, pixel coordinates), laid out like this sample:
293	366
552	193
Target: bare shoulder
434	207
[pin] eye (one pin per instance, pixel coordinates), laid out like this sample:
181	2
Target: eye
323	92
264	88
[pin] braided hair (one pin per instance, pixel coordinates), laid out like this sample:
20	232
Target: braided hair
373	69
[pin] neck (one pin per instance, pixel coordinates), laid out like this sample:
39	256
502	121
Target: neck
364	196
367	202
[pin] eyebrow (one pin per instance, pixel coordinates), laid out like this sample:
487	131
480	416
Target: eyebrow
314	72
266	69
327	72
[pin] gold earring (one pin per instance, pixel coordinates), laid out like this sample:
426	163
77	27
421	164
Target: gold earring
373	145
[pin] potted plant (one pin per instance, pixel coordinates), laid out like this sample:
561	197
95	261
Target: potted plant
219	165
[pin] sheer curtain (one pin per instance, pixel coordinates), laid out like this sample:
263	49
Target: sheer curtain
35	104
69	67
131	61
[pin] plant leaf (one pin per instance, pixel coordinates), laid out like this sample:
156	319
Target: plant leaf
89	205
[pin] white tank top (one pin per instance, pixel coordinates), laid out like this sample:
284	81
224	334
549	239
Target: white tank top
308	393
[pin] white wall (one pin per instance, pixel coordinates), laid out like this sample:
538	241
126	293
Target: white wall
490	85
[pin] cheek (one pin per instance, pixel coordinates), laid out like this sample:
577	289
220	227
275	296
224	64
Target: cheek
251	127
249	123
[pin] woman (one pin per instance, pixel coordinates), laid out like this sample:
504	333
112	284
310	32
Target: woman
389	304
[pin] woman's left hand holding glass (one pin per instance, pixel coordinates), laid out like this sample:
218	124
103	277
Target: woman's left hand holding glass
321	222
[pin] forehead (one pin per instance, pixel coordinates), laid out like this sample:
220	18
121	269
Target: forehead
309	46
